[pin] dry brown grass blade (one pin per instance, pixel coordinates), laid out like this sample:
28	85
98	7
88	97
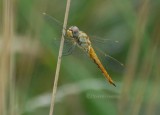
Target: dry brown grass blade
151	106
133	57
7	61
145	73
59	59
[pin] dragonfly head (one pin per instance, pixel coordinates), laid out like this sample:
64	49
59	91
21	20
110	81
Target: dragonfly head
73	32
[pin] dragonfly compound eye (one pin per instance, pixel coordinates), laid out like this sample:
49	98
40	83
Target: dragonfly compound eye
75	31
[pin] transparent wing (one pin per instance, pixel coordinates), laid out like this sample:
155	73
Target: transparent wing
57	27
101	40
104	48
69	47
104	44
109	62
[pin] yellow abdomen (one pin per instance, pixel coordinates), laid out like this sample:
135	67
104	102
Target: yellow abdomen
95	58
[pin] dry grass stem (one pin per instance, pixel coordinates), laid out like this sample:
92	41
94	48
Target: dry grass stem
145	73
7	61
133	56
151	106
59	59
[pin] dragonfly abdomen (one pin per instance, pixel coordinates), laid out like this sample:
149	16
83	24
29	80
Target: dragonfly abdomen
96	60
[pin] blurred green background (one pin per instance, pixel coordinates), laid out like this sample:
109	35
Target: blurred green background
29	51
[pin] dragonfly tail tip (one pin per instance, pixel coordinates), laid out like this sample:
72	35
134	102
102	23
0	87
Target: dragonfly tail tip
114	84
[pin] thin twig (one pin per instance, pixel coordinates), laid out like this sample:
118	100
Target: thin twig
59	59
6	60
12	88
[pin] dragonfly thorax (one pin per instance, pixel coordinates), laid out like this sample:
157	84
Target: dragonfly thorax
80	38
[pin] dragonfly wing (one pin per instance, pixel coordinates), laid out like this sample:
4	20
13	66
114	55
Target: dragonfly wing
107	45
53	21
68	48
113	64
110	62
54	39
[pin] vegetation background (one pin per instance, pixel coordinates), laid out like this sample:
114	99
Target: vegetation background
28	57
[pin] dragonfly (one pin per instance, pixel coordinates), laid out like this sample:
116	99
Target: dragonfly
81	40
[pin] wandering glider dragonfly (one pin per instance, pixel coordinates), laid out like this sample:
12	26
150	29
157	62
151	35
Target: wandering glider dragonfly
82	40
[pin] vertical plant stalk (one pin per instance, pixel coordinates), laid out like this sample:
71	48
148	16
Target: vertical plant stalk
133	57
12	88
151	106
145	72
6	60
59	59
